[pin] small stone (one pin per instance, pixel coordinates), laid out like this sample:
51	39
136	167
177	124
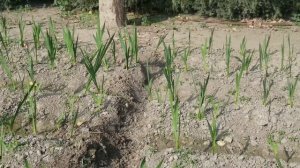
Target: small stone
228	139
242	157
149	126
206	143
284	140
221	143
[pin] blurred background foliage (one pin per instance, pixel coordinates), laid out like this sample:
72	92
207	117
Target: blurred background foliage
227	9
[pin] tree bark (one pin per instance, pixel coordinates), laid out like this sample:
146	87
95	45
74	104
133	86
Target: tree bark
112	13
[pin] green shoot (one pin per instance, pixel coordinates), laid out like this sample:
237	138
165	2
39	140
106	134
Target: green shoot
161	40
210	42
93	68
264	53
266	89
74	113
290	56
52	28
106	64
21	30
282	54
126	50
36	29
238	78
4	44
50	43
228	54
204	54
113	50
173	98
185	58
247	59
33	110
99	34
202	98
274	146
291	91
26	163
99	97
20	105
213	127
133	40
30	68
243	49
149	81
4	29
71	43
5	67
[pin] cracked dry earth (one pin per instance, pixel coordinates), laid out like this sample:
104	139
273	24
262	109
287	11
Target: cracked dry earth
131	125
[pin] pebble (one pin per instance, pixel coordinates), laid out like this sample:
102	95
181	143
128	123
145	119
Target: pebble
242	157
206	143
221	143
228	139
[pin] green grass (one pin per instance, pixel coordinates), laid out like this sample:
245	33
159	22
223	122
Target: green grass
21	31
228	54
292	84
187	54
202	99
74	112
246	61
71	43
36	29
51	46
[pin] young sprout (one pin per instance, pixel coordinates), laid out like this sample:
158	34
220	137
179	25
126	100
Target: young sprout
202	98
4	44
133	40
264	53
113	50
274	146
21	30
126	50
93	68
5	67
74	112
238	78
30	68
173	98
228	54
33	110
99	34
243	49
51	45
290	57
149	81
247	59
282	54
52	28
185	58
266	89
71	43
210	42
4	29
291	90
213	127
20	105
36	29
204	54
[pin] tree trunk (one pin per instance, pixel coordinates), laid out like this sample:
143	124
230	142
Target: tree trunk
112	13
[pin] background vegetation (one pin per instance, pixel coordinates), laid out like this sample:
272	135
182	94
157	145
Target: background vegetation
228	9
